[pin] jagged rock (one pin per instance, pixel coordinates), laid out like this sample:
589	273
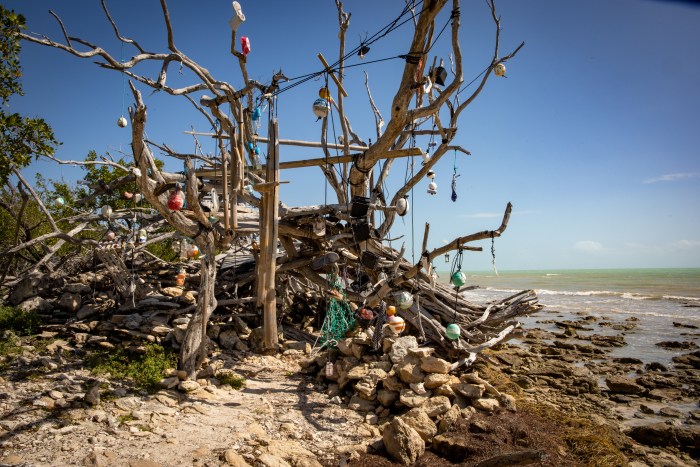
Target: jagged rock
450	417
507	402
420	421
691	359
70	302
486	404
523	381
411	399
179	332
401	346
35	305
387	398
367	388
358	372
27	287
409	371
435	380
92	397
133	321
470	391
228	339
77	288
402	442
445	390
622	385
361	405
188	386
172	291
418	388
454	448
435	365
392	383
663	435
436	406
87	310
233	459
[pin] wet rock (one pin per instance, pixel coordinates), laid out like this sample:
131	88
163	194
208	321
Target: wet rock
665	435
670	412
622	385
677	345
691	359
402	442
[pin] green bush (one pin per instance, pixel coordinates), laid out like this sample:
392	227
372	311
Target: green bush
21	322
232	379
144	369
9	343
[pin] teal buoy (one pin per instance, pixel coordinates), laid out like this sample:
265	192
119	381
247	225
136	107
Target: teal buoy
452	331
458	279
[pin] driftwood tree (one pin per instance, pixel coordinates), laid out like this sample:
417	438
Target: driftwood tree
315	238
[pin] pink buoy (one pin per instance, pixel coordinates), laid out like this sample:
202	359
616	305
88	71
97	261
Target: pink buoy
245	45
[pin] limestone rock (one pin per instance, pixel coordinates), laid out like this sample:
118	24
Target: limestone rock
392	383
402	442
471	391
188	386
436	406
411	399
485	404
234	459
401	346
444	390
70	302
419	420
435	365
27	287
507	402
358	372
387	398
450	417
268	460
622	385
359	404
435	380
35	305
172	291
410	372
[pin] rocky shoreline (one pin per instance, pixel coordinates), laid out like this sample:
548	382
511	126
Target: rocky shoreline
296	410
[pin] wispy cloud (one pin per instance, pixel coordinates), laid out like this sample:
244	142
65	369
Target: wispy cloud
589	246
686	244
673	177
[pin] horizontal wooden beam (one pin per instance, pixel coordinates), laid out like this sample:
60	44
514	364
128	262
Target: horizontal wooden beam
318	162
287	142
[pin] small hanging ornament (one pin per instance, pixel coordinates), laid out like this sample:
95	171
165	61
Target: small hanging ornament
214	200
193	252
362	52
447	257
320	227
122	123
324	93
138	197
453	331
329	369
180	278
404	300
432	188
402	206
366	313
500	70
426	156
60	201
176	200
110	236
321	107
128	195
175	246
390	310
431	175
458	279
454	187
106	211
142	236
396	324
256	114
245	45
440	74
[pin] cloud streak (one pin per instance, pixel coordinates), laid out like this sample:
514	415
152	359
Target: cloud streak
588	246
673	177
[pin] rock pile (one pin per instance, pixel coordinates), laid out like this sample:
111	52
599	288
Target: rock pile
413	395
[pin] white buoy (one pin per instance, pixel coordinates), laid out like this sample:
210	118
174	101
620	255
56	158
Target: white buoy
432	188
106	211
402	206
321	107
122	123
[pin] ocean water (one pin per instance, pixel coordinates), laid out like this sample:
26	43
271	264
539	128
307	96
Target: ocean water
657	297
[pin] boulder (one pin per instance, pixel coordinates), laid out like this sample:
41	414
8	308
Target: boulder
435	380
387	398
449	419
401	346
419	420
435	365
35	305
70	302
86	311
402	442
228	339
664	435
471	391
27	287
359	404
409	371
622	385
436	406
485	404
411	399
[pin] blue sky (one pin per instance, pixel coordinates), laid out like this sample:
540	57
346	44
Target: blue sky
593	136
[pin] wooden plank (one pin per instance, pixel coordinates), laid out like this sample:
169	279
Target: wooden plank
328	69
318	162
288	142
272	230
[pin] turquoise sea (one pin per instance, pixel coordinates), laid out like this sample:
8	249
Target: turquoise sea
657	297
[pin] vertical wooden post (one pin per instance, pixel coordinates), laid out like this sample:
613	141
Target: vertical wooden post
271	201
224	171
235	181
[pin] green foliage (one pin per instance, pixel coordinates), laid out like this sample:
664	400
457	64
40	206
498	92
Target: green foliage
232	379
21	137
9	345
145	369
23	323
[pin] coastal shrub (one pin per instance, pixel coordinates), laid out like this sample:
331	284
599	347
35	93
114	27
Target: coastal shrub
232	379
23	323
145	368
9	345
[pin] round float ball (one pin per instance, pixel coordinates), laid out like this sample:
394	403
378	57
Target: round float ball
110	236
321	107
390	310
402	206
324	93
143	236
404	300
366	313
193	252
397	324
256	114
500	69
180	278
458	279
453	331
106	211
431	175
60	201
138	197
122	122
176	200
